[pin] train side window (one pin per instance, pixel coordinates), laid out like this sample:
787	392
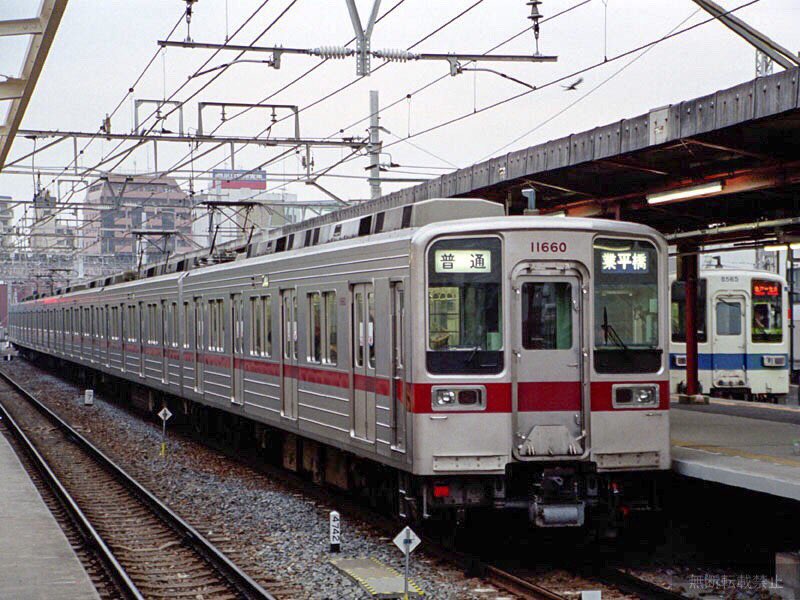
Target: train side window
314	327
266	319
371	329
187	324
174	323
256	327
678	311
216	339
359	319
729	318
547	316
329	316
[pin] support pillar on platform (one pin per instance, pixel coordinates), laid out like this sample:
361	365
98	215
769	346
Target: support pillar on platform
688	274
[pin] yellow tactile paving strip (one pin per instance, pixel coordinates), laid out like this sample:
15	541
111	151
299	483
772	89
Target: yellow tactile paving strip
375	577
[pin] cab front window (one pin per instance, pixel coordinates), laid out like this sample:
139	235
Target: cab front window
626	310
464	306
767	324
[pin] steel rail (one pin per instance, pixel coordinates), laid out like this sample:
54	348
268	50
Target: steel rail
244	584
516	585
89	533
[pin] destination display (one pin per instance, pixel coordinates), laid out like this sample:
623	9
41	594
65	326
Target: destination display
624	262
463	261
766	288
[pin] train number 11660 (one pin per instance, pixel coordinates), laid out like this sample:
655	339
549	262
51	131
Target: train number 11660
548	246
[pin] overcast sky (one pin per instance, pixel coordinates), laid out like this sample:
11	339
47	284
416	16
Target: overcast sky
102	46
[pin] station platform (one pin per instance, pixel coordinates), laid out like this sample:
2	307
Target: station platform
741	444
36	560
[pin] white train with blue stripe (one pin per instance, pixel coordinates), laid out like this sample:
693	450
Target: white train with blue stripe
742	334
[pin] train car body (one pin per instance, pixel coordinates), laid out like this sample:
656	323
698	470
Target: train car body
743	337
492	361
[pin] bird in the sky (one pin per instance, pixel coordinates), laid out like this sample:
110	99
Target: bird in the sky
573	86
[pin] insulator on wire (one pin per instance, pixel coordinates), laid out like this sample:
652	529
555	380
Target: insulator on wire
395	55
332	52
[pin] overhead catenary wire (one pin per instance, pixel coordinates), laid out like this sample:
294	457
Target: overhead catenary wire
557	80
569	76
125	154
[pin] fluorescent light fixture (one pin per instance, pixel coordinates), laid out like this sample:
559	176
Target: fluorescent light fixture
558	213
779	247
685	193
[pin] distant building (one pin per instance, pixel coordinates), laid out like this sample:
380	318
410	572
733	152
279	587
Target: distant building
6	222
120	205
51	229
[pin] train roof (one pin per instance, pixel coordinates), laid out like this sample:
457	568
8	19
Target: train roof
418	221
739	271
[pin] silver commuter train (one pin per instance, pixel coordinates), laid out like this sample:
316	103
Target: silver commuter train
455	356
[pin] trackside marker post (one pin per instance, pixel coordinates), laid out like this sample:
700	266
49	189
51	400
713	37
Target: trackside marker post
407	541
164	414
335	522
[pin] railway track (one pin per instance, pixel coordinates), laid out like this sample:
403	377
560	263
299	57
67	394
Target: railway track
518	582
147	550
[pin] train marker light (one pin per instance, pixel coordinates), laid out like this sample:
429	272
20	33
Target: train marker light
441	491
685	193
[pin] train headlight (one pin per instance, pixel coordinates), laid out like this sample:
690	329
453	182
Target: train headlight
635	396
445	398
458	398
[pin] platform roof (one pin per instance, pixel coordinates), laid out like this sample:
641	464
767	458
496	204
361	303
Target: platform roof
746	137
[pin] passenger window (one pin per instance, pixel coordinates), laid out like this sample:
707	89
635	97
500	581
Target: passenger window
371	329
331	352
267	323
729	318
256	327
315	327
359	317
547	316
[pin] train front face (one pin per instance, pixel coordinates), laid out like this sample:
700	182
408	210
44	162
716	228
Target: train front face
541	382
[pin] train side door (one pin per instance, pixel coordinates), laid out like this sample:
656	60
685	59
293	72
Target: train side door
550	415
363	336
729	352
289	370
237	364
398	391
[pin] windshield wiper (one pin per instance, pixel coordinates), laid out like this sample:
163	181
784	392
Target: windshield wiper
608	328
472	354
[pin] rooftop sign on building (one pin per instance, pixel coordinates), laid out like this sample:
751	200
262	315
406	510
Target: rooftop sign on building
236	179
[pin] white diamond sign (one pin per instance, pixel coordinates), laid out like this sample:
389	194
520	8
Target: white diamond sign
165	414
407	541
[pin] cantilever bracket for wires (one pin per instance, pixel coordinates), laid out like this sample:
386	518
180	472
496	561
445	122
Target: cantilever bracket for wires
340	52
